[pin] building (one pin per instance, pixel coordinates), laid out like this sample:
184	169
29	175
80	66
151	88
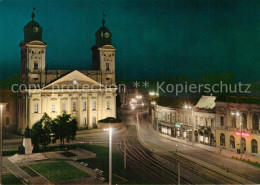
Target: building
215	122
88	95
234	119
181	122
9	112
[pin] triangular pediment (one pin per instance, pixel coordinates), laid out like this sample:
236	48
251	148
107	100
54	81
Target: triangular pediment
74	80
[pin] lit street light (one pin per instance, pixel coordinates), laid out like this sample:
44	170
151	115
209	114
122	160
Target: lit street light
192	123
110	154
240	122
1	138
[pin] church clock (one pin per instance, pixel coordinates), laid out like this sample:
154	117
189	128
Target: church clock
106	35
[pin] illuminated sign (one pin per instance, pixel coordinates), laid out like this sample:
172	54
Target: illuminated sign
178	125
243	134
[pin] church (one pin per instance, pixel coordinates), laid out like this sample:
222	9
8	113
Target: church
88	95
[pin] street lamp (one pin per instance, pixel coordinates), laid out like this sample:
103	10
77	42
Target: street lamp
237	114
1	138
192	132
110	154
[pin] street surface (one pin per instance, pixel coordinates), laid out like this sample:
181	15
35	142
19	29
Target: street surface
156	157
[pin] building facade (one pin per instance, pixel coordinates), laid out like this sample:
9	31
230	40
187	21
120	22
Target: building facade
238	127
226	125
88	95
181	123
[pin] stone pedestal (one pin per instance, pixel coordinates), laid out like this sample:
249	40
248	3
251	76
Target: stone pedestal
27	143
28	156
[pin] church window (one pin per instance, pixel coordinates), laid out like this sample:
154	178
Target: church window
84	106
94	105
74	106
84	121
64	107
36	106
107	66
36	65
107	79
108	104
53	107
7	108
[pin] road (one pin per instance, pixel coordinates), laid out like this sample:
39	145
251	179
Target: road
156	158
167	149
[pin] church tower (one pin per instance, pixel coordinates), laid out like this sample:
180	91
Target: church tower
33	54
103	54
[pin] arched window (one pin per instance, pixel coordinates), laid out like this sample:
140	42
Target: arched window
232	142
255	122
254	146
222	139
36	108
244	120
53	107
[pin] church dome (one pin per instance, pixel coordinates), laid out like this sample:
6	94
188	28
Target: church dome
32	30
103	35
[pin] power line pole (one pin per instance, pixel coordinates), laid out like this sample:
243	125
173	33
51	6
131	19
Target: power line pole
179	173
125	158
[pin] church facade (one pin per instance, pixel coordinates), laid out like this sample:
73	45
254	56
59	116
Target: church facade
88	95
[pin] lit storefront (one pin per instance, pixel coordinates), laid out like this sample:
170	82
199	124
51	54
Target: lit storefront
232	140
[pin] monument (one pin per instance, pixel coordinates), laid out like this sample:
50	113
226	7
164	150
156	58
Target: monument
28	148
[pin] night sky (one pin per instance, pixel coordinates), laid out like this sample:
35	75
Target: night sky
154	38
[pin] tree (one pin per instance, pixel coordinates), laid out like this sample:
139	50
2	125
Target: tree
41	132
64	127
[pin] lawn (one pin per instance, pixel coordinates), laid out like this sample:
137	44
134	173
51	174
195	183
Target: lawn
10	179
59	171
101	162
256	164
29	171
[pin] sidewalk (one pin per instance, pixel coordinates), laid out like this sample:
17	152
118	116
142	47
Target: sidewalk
225	153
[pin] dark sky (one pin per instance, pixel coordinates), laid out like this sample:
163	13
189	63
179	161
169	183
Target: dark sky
154	38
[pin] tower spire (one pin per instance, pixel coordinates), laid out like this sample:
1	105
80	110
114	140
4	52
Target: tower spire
33	15
103	21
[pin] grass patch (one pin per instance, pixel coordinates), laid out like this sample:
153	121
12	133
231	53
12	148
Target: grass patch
68	154
59	171
29	171
256	164
101	162
10	179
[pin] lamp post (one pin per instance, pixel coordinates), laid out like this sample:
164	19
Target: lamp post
192	123
110	154
237	114
1	138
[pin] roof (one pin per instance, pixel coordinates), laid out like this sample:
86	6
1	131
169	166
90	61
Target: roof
72	80
206	102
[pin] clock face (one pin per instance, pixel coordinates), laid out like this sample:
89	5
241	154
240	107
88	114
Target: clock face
35	29
74	82
106	34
